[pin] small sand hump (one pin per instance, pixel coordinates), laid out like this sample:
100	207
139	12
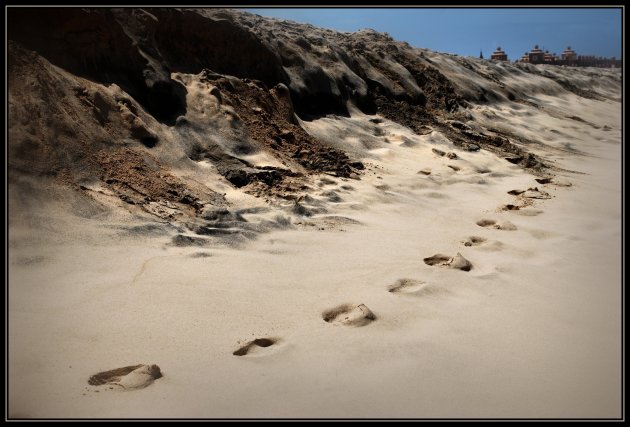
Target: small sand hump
349	315
129	377
457	262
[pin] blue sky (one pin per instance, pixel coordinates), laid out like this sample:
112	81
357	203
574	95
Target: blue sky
589	31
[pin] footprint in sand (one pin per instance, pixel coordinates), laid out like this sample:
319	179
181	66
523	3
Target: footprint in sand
535	193
530	212
552	180
413	287
406	286
129	377
457	262
201	255
505	225
545	180
255	345
530	193
474	241
349	315
510	207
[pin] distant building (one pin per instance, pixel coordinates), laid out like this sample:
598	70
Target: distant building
536	56
569	54
550	57
524	58
569	58
499	55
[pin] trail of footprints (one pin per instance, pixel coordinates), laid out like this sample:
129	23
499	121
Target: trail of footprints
358	315
139	376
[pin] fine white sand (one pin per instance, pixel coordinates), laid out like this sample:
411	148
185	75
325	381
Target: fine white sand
533	330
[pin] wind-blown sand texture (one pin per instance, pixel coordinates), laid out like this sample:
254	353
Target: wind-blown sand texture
231	220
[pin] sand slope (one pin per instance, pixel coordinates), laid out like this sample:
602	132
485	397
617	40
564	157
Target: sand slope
531	331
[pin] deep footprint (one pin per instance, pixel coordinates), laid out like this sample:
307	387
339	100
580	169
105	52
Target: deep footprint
457	262
486	222
437	259
505	225
530	193
349	315
474	241
546	180
535	193
258	342
129	377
